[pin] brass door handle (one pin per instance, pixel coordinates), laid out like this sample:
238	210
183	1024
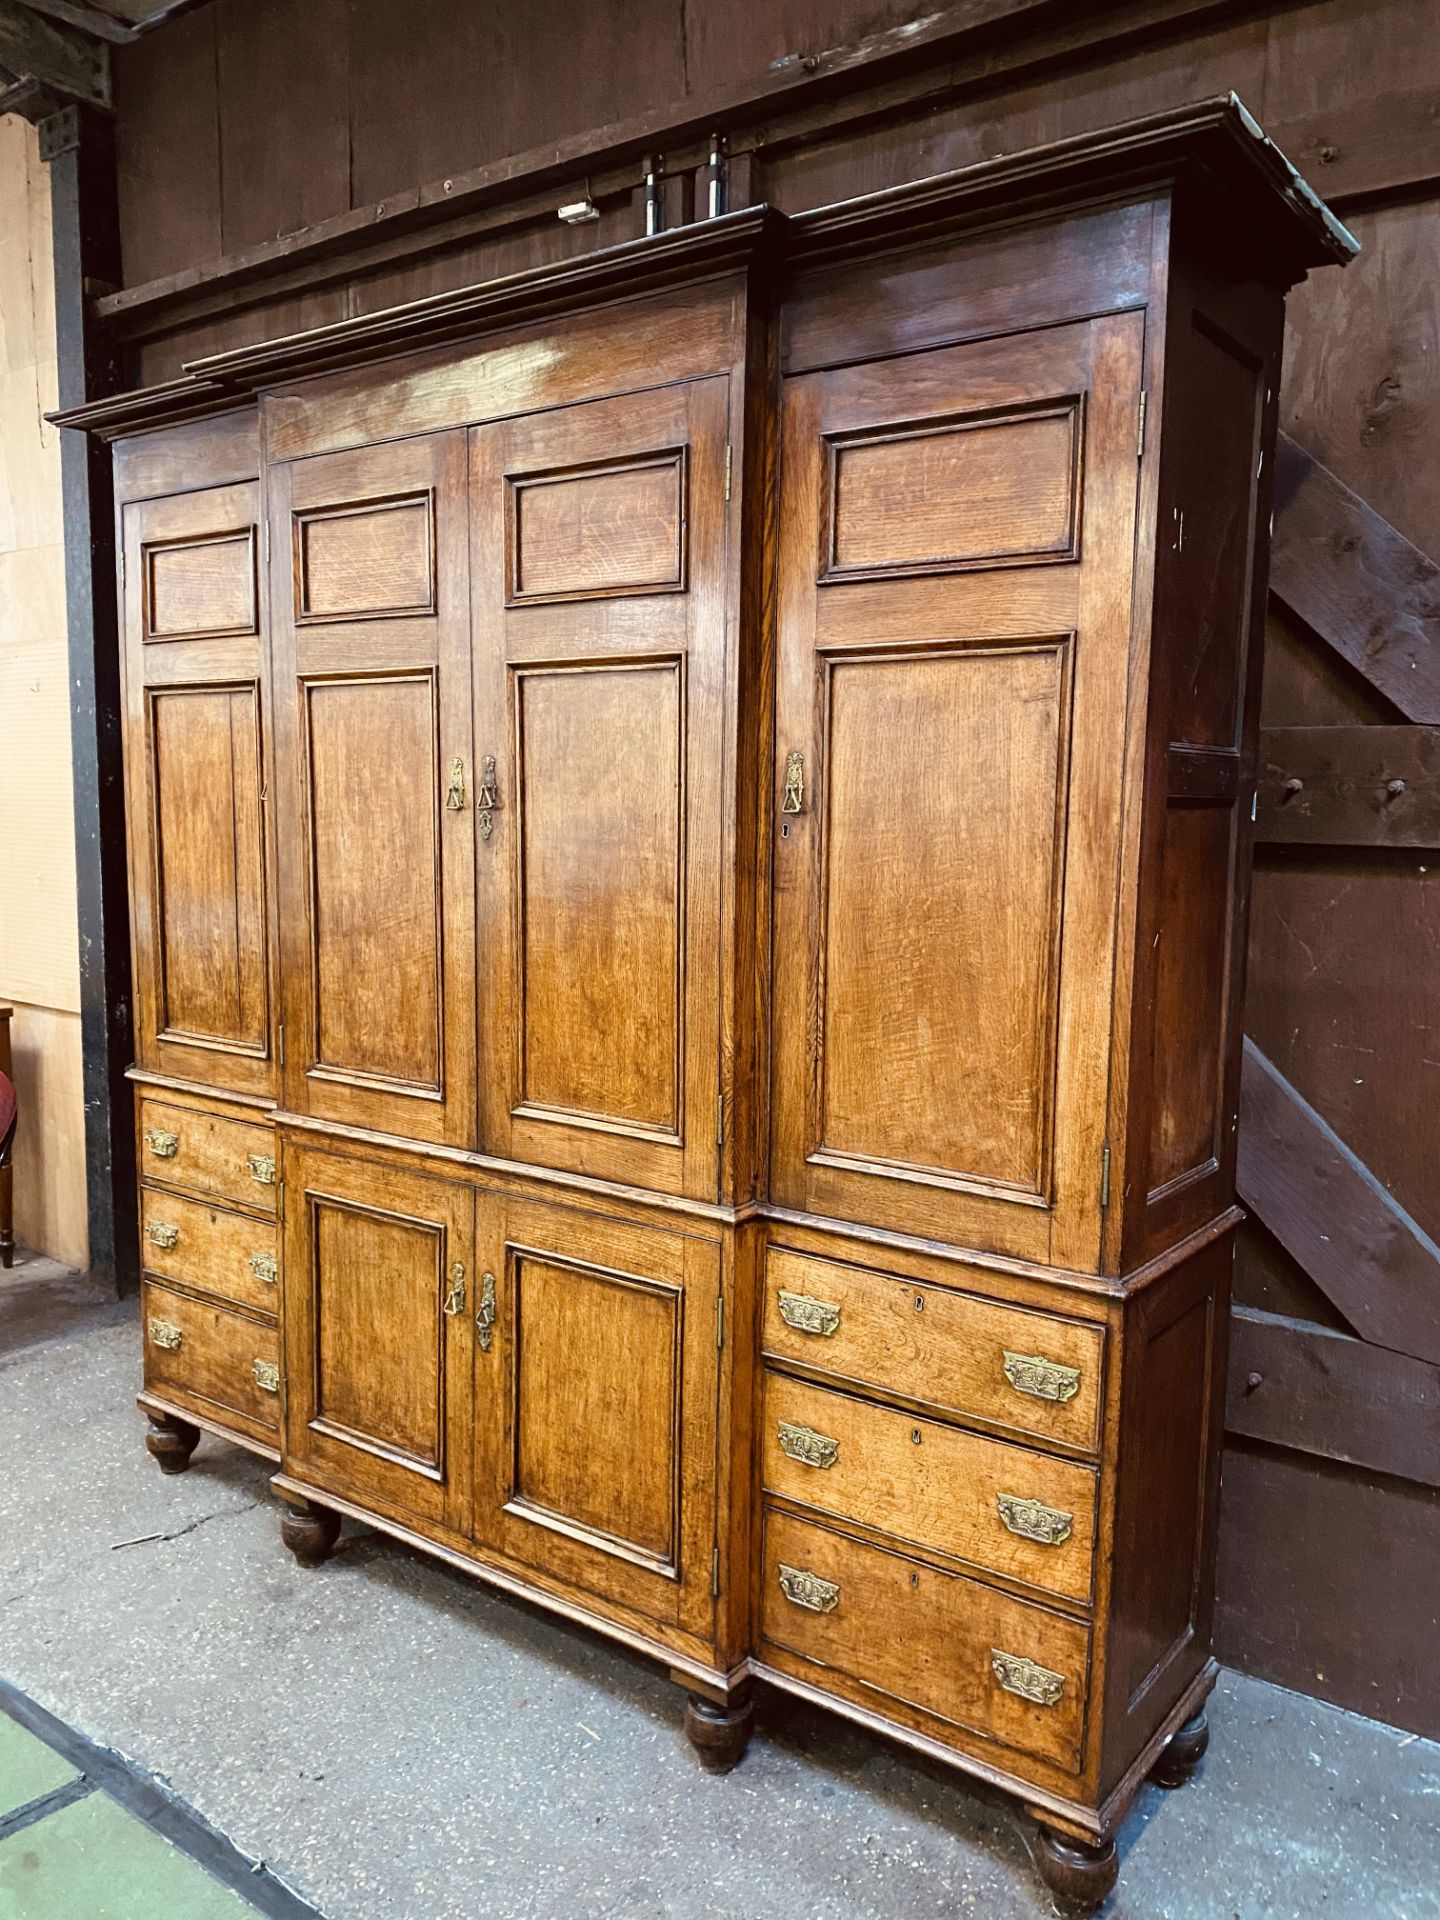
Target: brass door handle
485	1318
487	800
455	1294
794	801
455	791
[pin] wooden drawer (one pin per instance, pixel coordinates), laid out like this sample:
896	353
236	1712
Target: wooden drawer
230	1254
1005	1508
224	1364
190	1147
1020	1369
936	1641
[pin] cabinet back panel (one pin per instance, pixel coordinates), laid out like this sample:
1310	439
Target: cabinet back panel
374	877
210	865
601	754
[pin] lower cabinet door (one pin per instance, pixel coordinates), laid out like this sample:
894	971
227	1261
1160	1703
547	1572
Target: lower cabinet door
595	1405
378	1279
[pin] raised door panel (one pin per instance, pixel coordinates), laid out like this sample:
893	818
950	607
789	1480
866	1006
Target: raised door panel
596	1379
196	758
369	559
956	549
377	1276
598	562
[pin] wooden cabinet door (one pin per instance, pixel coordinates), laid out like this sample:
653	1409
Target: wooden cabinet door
378	1278
955	587
195	756
370	605
598	575
595	1397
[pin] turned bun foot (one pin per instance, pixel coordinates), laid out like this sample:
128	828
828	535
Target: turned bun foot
310	1532
718	1734
1080	1875
171	1441
1182	1752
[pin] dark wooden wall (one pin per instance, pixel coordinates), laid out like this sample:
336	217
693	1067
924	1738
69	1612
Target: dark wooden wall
287	162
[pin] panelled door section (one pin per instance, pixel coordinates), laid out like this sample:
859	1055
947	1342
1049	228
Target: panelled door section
956	556
597	565
378	1282
595	1396
196	754
369	561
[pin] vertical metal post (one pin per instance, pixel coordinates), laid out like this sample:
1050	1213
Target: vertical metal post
78	144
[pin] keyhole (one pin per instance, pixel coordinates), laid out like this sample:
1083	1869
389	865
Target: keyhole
785	830
914	1579
919	1303
915	1435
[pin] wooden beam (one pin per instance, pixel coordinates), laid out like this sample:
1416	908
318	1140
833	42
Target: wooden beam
1375	1264
1359	583
1349	786
1293	1384
69	63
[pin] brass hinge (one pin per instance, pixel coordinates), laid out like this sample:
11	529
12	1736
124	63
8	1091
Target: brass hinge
1140	428
280	1042
729	462
719	1321
715	1574
1104	1177
280	1202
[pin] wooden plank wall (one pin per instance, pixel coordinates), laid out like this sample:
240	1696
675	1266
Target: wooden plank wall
298	141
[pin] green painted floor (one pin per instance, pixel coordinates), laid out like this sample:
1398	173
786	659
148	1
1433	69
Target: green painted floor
71	1851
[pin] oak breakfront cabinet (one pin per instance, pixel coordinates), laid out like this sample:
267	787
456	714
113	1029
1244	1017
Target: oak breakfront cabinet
689	821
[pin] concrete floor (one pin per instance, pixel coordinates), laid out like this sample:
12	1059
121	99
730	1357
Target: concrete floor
398	1744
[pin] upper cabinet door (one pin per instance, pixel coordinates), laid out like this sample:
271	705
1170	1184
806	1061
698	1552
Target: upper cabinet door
598	547
956	550
195	775
370	604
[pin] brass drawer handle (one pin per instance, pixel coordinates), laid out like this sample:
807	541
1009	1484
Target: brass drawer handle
165	1333
1033	1521
161	1234
810	1448
487	801
455	1293
267	1375
262	1168
163	1145
808	1590
1018	1675
794	799
485	1318
808	1315
1042	1379
265	1267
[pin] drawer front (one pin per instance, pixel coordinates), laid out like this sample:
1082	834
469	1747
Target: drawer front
188	1147
1028	1371
224	1364
1005	1508
229	1254
979	1660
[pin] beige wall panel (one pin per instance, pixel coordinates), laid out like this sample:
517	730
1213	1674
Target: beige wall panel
50	1211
